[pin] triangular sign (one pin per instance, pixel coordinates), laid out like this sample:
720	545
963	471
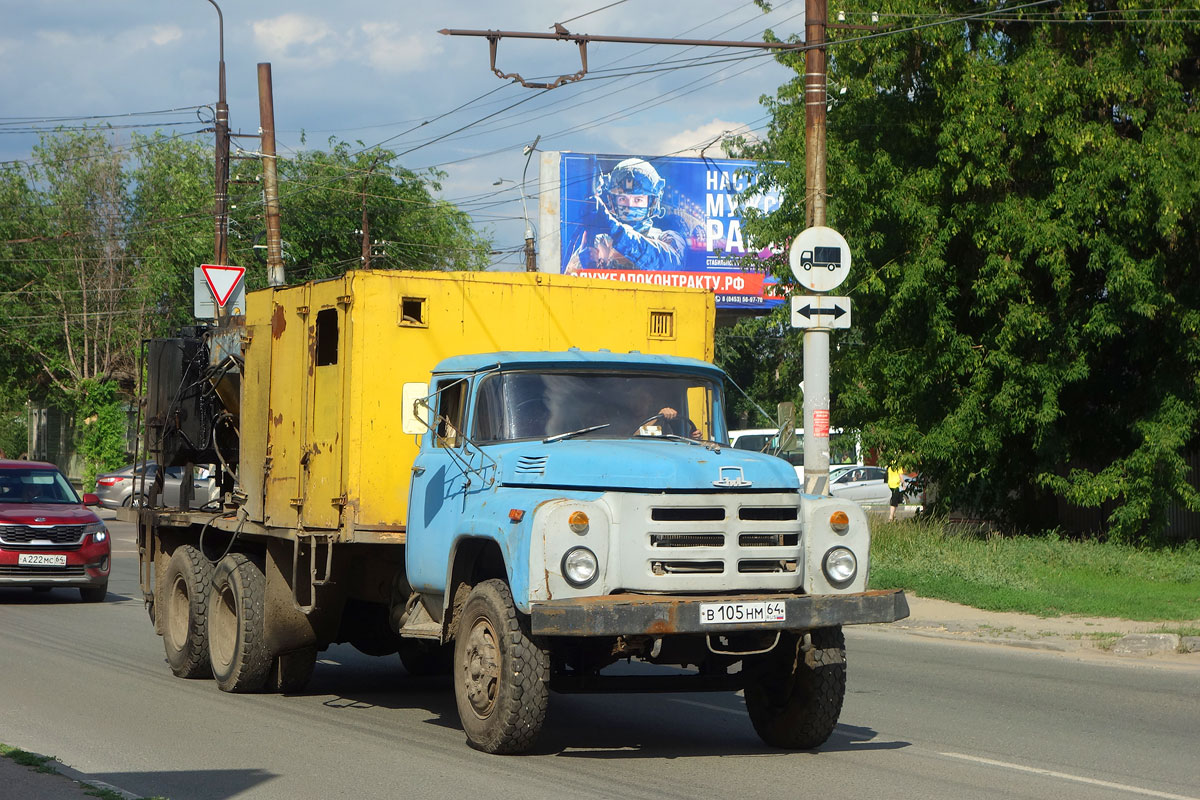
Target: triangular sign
222	280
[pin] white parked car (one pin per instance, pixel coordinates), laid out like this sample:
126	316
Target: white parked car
865	484
843	447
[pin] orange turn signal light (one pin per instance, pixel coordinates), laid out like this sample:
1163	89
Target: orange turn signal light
516	514
839	521
578	522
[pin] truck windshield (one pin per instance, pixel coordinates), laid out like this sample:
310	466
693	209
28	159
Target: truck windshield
537	405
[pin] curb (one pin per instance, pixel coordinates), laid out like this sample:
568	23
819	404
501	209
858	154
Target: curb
81	784
85	780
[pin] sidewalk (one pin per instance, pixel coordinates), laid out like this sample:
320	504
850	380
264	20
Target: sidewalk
1078	635
27	783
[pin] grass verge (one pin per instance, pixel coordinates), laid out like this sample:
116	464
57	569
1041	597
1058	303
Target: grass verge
1044	575
48	765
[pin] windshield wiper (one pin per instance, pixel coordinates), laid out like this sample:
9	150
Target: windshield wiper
558	437
714	446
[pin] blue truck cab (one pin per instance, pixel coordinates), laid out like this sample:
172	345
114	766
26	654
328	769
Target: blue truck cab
572	510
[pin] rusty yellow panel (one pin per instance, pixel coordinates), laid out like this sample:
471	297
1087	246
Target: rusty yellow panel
256	388
321	461
333	422
285	415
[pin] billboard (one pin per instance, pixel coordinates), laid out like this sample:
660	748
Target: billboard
654	219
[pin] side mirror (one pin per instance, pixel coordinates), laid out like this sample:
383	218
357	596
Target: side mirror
414	409
90	499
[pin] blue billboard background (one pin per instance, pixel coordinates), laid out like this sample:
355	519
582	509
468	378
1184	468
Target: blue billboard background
696	237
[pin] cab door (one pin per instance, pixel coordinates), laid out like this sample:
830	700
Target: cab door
437	494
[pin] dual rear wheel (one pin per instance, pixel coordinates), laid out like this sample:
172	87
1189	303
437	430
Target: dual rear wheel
214	625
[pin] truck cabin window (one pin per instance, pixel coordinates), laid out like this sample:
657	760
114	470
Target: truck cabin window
536	405
451	408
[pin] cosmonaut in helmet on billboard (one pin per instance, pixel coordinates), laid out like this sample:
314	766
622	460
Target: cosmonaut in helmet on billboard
618	223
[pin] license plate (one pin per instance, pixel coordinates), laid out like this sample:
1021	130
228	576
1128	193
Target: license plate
41	559
726	613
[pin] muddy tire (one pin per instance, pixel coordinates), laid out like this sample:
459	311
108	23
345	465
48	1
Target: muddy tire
291	672
501	673
185	629
796	696
425	657
236	648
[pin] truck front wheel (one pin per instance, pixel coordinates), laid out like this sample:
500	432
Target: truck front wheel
500	673
185	630
794	694
236	648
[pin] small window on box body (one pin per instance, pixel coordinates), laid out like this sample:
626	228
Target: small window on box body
412	312
327	337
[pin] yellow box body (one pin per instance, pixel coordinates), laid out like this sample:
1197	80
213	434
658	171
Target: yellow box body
321	441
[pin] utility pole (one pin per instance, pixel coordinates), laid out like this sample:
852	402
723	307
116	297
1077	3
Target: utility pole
266	123
365	258
816	340
530	255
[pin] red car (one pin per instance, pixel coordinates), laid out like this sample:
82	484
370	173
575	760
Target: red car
48	536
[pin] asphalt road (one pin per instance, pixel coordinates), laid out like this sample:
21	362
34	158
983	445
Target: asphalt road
923	719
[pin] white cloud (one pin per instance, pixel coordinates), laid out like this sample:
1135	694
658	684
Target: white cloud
306	41
389	49
690	142
296	37
165	34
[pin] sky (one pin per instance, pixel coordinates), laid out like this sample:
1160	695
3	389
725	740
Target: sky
378	72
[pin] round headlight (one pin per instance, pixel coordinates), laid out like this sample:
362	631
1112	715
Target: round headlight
840	566
578	522
579	567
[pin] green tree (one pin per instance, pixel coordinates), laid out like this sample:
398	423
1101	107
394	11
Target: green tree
761	355
65	307
324	196
1021	194
170	224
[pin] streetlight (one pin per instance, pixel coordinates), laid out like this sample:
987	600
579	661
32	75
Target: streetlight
221	197
530	256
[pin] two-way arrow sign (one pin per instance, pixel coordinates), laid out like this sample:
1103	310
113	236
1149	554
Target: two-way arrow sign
820	311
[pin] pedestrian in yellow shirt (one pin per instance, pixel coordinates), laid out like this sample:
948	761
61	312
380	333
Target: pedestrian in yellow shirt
895	478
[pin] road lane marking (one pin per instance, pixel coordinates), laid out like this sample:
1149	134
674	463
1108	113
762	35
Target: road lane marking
741	712
1068	777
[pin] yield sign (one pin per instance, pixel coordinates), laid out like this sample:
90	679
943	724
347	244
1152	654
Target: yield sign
222	280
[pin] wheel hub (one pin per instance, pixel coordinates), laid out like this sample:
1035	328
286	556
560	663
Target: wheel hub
179	608
482	668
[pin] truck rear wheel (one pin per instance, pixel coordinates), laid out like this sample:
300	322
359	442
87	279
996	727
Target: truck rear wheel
185	630
797	697
500	673
236	648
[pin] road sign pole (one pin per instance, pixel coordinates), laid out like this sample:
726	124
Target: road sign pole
816	341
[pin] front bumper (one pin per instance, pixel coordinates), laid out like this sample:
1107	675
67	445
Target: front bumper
658	615
87	566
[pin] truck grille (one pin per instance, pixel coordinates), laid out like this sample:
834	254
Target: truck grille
708	542
55	534
687	540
